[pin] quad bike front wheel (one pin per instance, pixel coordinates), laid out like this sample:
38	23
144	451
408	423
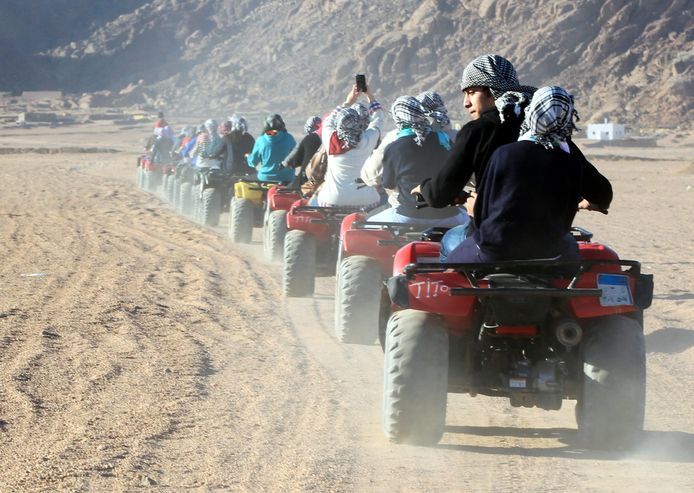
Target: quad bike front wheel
299	269
611	403
415	378
358	299
275	231
210	207
241	220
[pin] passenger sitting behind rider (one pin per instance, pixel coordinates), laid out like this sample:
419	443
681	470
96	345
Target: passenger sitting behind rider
270	149
531	189
349	134
417	153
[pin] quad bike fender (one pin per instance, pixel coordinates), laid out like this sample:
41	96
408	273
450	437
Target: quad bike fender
349	220
309	221
415	252
280	198
249	191
366	242
431	293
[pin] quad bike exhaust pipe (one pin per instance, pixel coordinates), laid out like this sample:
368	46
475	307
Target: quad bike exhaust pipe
568	332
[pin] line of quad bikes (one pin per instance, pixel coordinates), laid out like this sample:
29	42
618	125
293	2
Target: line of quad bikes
536	332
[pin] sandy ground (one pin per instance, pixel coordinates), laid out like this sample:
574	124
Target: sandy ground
140	351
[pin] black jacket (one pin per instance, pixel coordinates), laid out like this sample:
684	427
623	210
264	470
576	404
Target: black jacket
528	197
473	147
304	151
242	144
405	165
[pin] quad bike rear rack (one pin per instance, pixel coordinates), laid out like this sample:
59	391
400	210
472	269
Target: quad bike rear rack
473	272
402	233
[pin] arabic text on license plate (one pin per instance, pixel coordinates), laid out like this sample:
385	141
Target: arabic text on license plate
615	290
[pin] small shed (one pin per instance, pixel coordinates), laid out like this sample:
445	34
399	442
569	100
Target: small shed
606	131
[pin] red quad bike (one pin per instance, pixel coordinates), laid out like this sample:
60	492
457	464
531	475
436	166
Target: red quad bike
152	173
311	245
365	260
278	202
535	332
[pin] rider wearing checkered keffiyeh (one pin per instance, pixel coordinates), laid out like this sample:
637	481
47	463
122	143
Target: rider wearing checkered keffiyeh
436	109
499	75
549	119
312	124
409	113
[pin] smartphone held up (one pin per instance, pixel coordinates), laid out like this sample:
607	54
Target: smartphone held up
360	80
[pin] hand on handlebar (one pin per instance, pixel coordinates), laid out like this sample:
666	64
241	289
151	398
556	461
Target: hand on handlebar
589	206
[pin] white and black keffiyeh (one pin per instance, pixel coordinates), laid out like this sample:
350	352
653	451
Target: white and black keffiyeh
348	126
549	118
312	124
436	109
238	123
364	117
499	75
409	113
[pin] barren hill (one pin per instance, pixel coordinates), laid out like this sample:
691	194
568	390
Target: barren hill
629	60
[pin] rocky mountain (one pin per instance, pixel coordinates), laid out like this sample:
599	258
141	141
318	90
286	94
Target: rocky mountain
627	60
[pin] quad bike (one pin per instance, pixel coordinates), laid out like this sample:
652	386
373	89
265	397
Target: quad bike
247	208
534	331
311	245
279	200
150	174
212	189
365	260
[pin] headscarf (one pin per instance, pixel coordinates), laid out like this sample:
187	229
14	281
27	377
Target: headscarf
312	124
499	75
211	126
348	126
436	108
549	118
364	117
409	113
274	123
238	123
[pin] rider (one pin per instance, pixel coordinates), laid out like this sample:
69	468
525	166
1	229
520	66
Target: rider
304	151
531	189
418	152
495	101
437	113
349	134
208	145
241	143
270	149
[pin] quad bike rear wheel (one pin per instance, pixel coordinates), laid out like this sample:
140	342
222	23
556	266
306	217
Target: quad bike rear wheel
241	220
275	231
140	177
611	403
210	207
358	299
170	188
299	269
185	202
415	380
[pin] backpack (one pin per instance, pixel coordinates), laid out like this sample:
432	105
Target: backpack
315	172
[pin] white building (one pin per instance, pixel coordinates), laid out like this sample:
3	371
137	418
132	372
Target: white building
605	131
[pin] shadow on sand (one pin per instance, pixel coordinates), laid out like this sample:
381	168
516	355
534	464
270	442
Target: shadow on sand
669	340
656	446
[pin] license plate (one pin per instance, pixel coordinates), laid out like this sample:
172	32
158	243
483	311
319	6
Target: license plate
615	290
517	383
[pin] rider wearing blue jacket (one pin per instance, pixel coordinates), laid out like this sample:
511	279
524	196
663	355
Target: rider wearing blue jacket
270	149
